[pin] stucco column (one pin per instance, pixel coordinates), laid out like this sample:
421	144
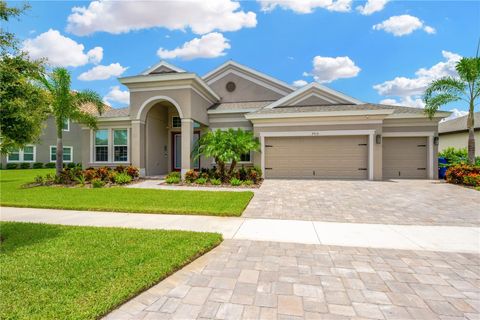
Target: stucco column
187	144
137	145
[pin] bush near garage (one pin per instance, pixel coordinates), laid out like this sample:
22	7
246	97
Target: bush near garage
463	174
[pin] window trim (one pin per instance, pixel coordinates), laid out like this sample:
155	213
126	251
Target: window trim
120	145
71	154
21	155
68	126
111	150
108	145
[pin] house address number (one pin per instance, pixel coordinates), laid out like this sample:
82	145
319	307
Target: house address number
315	134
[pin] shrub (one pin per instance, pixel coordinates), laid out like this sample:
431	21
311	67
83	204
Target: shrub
172	179
254	174
456	173
81	179
122	178
120	169
242	174
112	175
133	172
97	183
472	179
174	174
235	182
90	174
38	165
25	165
71	165
201	181
49	179
12	165
247	182
50	165
39	179
102	173
191	176
215	182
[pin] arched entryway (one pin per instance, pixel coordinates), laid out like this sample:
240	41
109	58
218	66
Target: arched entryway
164	137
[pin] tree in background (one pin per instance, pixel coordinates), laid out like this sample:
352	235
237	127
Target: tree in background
23	105
65	104
464	88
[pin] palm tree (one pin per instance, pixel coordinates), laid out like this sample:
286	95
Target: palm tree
66	105
449	89
226	147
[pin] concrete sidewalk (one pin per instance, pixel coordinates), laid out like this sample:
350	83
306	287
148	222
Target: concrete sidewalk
435	238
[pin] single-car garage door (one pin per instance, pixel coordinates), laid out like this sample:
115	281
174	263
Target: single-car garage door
329	157
404	158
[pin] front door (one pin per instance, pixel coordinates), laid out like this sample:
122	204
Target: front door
177	151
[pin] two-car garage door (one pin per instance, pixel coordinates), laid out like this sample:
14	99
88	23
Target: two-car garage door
328	157
343	157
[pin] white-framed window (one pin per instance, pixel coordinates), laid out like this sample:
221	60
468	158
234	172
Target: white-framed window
111	145
27	154
66	125
101	145
67	154
120	145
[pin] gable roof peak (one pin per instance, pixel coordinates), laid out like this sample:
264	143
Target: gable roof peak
164	64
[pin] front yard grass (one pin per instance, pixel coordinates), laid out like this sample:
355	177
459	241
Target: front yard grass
214	203
64	272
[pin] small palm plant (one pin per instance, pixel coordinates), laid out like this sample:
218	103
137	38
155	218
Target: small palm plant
226	147
449	89
66	105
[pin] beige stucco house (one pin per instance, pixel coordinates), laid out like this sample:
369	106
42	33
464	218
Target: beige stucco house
310	132
454	133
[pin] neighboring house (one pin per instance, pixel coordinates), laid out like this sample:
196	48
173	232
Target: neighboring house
311	132
454	133
45	149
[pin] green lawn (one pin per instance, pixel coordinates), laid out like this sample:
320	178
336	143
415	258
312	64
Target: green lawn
215	203
63	272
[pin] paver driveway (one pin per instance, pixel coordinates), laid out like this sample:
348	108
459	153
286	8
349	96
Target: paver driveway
414	202
270	280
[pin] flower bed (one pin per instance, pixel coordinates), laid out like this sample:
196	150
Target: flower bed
90	177
241	178
464	174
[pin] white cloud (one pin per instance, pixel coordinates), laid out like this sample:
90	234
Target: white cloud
328	69
102	72
409	90
117	95
372	6
403	25
406	101
306	6
211	45
124	16
60	50
455	114
403	86
299	83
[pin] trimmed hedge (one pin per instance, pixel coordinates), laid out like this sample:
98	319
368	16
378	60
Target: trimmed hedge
464	174
12	165
38	165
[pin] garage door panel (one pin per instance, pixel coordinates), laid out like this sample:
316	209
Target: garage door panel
405	157
330	157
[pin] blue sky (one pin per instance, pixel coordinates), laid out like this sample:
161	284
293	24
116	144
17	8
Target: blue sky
386	53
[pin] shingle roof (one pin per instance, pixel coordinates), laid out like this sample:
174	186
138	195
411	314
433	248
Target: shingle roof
91	109
339	107
248	105
458	124
116	112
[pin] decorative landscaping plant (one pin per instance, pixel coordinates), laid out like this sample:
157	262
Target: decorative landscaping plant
464	174
243	177
94	177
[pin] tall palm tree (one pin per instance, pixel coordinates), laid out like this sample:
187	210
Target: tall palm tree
66	105
449	89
